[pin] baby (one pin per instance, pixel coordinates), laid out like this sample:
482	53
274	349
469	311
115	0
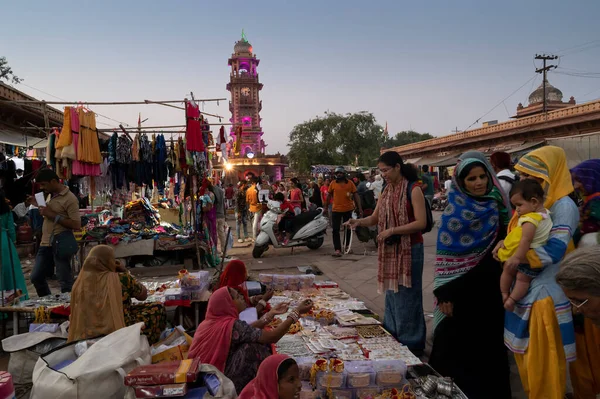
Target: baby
531	232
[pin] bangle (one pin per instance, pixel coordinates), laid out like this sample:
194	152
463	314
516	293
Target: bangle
262	303
267	318
294	316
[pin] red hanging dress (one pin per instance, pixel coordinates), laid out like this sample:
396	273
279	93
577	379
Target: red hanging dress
193	131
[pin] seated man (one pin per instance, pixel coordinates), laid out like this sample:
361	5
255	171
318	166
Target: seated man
285	218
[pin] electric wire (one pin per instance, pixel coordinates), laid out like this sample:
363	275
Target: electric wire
502	101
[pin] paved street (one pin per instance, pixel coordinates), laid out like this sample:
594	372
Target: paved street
356	274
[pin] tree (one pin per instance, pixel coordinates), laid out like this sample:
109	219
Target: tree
406	137
336	139
6	72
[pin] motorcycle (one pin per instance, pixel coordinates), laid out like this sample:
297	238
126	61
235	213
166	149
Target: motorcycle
308	229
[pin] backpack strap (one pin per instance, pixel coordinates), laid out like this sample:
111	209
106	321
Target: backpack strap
507	179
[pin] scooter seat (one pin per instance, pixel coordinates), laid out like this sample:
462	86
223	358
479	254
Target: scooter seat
303	219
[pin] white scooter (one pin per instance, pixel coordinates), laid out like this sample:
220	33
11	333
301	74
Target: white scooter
308	230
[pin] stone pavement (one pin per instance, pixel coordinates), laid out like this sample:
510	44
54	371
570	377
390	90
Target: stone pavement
355	273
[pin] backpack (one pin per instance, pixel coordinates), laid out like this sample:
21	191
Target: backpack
428	213
367	199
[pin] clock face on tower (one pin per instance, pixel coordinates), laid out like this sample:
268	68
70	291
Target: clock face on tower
245	91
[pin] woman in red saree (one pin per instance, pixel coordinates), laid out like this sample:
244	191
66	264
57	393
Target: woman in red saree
231	345
278	378
235	275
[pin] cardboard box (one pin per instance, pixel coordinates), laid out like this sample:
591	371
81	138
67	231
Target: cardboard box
174	353
164	373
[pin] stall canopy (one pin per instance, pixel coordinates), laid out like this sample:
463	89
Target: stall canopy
578	148
526	147
22	140
412	160
449	160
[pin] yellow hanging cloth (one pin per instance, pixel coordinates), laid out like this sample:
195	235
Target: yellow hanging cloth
66	135
88	148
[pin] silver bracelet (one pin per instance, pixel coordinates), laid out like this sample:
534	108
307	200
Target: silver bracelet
262	303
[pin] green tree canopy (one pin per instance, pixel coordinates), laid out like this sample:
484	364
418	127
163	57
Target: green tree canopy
6	72
406	137
336	139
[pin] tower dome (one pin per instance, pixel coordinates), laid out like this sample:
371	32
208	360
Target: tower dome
552	94
242	46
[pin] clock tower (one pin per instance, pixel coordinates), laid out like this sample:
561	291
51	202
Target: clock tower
245	104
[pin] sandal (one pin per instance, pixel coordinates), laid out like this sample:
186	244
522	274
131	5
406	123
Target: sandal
337	254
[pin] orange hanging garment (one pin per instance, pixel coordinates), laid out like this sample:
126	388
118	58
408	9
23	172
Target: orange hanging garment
88	148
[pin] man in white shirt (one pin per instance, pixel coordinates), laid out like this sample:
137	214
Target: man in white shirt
501	163
447	185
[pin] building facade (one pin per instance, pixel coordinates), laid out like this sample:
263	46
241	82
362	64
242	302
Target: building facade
530	128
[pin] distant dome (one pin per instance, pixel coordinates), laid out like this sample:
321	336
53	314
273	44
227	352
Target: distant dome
242	46
552	94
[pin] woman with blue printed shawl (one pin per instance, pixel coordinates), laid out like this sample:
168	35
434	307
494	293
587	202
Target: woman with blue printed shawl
469	314
540	330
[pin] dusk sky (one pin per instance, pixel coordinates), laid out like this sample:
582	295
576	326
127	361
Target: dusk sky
430	66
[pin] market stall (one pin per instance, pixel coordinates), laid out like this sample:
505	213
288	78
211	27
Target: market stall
343	351
185	289
124	170
142	230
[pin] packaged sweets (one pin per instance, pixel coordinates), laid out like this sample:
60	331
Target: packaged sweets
164	373
161	391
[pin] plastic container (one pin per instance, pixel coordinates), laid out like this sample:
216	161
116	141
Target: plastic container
280	279
360	374
343	393
293	279
308	392
389	372
305	365
327	379
266	279
367	392
307	281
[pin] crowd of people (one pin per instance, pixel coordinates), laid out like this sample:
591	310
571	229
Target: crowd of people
500	279
517	272
501	285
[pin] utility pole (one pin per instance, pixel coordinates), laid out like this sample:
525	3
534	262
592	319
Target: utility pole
456	130
544	71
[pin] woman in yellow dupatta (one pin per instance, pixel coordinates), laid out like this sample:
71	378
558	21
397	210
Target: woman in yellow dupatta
540	330
96	301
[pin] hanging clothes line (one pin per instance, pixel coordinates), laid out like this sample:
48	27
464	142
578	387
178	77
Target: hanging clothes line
147	102
164	127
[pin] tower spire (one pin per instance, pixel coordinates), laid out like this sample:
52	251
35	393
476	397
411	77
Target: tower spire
244	36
